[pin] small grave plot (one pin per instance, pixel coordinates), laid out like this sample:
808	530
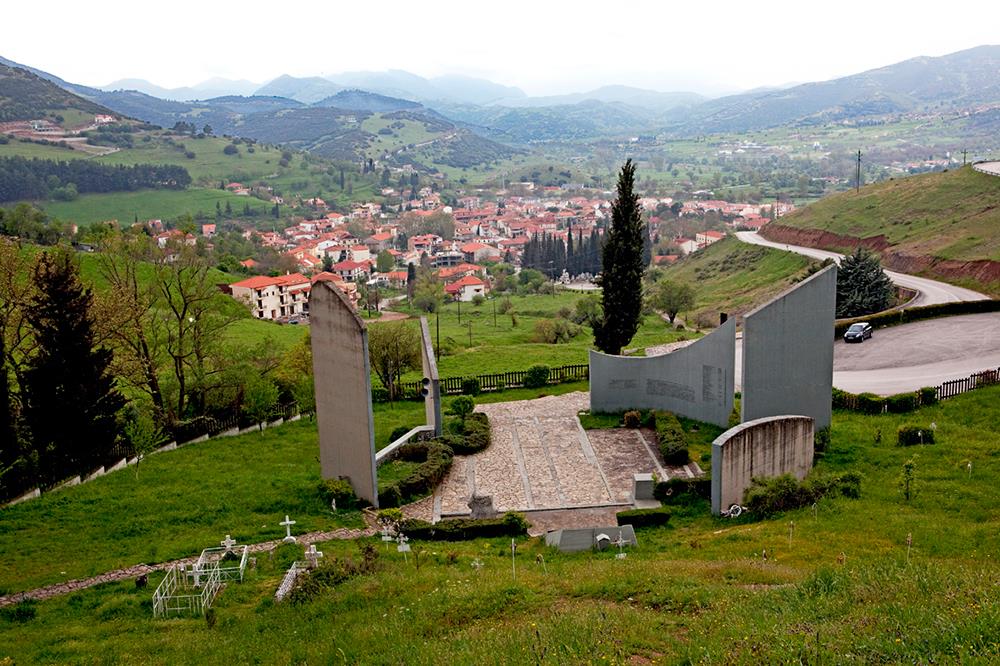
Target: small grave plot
192	590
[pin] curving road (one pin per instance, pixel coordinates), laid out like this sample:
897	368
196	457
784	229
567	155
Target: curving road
930	291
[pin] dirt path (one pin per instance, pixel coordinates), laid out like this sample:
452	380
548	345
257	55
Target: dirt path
69	586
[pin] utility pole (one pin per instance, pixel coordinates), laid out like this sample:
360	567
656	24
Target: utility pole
857	188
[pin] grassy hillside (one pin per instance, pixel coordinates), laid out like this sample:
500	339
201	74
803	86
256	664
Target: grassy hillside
148	204
734	277
839	582
25	96
951	215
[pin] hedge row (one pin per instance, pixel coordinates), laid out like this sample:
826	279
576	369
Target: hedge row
869	403
644	517
435	459
768	496
512	524
896	317
683	490
470	435
909	435
671	439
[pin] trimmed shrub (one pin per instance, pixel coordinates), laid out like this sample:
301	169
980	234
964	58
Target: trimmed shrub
683	490
470	386
475	435
537	376
435	459
843	399
821	440
397	432
671	439
512	524
901	403
928	395
644	517
632	419
869	403
341	492
462	406
908	435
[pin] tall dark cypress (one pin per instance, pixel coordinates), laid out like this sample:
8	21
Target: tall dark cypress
570	255
621	269
71	401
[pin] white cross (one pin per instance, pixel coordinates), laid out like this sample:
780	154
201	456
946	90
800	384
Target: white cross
287	523
403	547
228	543
313	555
387	535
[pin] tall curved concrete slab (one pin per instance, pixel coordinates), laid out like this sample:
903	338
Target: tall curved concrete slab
695	381
788	352
761	448
343	391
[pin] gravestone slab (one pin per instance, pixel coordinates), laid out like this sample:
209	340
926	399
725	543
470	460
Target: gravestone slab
696	381
482	507
788	352
642	486
580	539
343	391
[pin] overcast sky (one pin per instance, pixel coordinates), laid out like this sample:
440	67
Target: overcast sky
541	46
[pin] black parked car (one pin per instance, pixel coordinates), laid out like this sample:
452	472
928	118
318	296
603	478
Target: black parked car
858	332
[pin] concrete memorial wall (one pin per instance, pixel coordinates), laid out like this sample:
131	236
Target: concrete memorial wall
343	391
432	383
695	381
765	447
788	352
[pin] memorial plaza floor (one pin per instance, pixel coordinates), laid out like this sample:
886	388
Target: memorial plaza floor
543	462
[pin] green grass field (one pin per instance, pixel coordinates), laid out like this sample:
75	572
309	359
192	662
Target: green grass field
734	277
839	583
148	204
15	148
505	347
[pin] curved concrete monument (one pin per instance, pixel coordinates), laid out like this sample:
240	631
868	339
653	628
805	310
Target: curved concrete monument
695	381
762	448
788	352
343	391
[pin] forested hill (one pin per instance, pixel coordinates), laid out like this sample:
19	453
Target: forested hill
25	96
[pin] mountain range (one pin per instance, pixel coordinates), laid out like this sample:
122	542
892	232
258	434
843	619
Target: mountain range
294	109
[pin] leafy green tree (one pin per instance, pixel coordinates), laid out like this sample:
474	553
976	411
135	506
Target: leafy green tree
622	266
862	285
384	261
672	297
393	348
260	398
143	433
71	403
428	294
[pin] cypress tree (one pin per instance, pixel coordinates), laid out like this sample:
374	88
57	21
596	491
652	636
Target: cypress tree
70	398
570	256
621	272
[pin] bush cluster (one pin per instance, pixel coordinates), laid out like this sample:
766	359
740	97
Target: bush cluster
435	459
632	419
671	439
908	435
470	436
765	497
537	376
554	331
512	524
331	573
644	517
470	386
683	490
341	492
869	403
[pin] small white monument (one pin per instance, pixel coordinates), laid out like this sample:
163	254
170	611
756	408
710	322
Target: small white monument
287	523
228	543
313	556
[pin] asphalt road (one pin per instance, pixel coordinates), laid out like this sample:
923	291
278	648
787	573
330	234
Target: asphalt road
907	357
931	291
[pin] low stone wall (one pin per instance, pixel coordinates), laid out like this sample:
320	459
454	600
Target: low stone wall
765	447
